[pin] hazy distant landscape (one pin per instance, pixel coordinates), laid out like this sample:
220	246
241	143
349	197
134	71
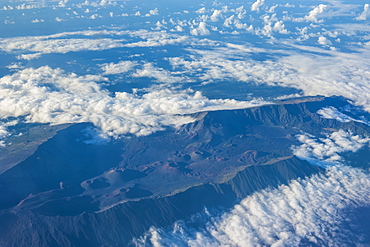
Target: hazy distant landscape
161	123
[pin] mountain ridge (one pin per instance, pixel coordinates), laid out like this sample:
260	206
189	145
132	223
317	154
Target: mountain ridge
72	193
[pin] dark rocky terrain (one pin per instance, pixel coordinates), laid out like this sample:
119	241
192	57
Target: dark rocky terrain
69	193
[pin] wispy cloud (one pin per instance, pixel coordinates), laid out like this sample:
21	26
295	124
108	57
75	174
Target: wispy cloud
34	46
324	73
51	44
333	113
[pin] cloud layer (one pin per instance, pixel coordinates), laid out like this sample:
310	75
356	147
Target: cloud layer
325	73
311	211
47	95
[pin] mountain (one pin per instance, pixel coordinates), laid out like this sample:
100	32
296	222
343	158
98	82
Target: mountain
71	193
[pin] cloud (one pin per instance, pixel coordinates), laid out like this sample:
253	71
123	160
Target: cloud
271	24
154	39
161	75
58	19
228	21
201	10
200	30
14	66
37	20
312	211
153	11
315	13
46	95
62	3
314	71
215	15
95	137
256	5
24	6
45	45
328	149
66	42
324	41
9	22
365	14
95	16
240	12
29	56
4	133
335	74
117	68
333	113
280	27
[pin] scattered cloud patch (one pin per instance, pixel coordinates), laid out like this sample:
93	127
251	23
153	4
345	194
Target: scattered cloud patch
37	20
328	149
365	14
95	137
153	11
324	41
4	133
256	5
316	13
215	15
201	10
58	19
161	75
29	56
200	30
118	68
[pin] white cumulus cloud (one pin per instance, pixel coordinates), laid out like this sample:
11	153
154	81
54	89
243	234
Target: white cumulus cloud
316	12
328	149
200	30
46	95
256	5
215	15
365	14
324	41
